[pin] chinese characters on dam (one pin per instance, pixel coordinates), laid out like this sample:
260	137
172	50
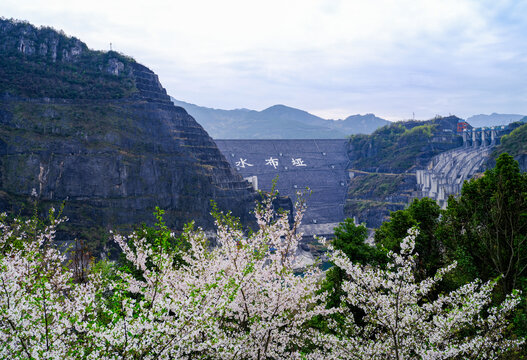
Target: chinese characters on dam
293	165
271	161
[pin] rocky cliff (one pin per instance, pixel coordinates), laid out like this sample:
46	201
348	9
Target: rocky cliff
99	131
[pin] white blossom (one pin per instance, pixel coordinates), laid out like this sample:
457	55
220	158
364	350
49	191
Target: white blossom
402	322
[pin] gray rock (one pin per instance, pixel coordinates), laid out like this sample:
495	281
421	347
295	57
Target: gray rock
111	161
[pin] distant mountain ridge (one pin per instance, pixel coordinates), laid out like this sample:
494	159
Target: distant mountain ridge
278	122
493	119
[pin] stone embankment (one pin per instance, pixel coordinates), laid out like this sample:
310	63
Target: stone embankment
447	171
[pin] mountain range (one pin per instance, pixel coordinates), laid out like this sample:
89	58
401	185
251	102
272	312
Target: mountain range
278	122
284	122
493	119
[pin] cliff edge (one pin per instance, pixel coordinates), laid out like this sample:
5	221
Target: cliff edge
98	130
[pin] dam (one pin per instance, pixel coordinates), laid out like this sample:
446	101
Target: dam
446	172
318	165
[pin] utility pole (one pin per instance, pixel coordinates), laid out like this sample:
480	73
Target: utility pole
110	46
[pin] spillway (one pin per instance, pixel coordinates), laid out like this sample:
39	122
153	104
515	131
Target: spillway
446	172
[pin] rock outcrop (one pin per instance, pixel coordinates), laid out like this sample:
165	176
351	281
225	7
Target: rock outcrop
111	158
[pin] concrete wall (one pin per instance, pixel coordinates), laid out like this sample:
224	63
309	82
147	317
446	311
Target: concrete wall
447	171
485	136
319	165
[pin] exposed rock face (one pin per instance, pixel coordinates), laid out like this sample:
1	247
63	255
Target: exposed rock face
45	41
522	160
112	161
372	196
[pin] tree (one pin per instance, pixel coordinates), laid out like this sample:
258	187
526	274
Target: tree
40	305
423	213
402	323
487	226
240	299
351	240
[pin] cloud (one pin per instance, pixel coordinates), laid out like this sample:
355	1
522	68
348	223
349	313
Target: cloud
391	57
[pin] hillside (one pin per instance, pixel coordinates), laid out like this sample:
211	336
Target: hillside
402	146
515	144
98	131
383	164
278	122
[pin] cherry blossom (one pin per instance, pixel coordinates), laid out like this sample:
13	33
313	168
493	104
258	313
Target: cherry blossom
401	322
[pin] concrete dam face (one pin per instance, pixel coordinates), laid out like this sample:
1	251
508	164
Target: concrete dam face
320	165
447	171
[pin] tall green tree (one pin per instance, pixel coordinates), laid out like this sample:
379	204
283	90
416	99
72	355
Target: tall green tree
424	214
485	229
351	240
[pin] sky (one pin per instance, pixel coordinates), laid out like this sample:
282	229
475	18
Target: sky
398	59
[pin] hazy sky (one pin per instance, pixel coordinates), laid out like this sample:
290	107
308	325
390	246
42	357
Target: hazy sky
332	58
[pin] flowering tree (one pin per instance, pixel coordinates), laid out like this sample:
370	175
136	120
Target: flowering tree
239	299
39	306
266	314
401	322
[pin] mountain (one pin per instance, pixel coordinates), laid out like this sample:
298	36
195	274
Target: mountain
402	146
360	124
515	144
277	122
493	119
98	131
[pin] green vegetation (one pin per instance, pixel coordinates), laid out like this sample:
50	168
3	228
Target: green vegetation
423	213
484	230
489	222
351	240
34	77
53	71
515	143
401	146
354	206
135	308
371	196
375	185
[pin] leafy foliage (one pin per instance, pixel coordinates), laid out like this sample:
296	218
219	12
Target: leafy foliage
489	222
240	299
514	143
424	214
52	69
351	240
398	147
186	299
